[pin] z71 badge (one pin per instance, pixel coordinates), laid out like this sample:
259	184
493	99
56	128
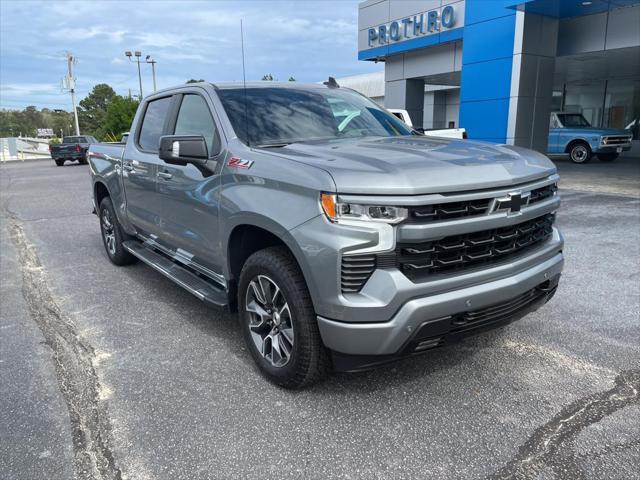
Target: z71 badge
239	163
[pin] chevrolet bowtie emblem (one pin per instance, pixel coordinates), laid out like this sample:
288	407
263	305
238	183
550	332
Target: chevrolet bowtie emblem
513	202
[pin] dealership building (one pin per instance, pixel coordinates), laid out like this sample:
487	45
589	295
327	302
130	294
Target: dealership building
499	67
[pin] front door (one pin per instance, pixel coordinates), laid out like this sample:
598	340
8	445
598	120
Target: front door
189	195
554	136
140	167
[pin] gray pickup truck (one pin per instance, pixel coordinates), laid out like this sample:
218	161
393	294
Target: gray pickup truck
343	239
72	149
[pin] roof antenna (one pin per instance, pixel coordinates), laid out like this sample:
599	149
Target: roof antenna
244	87
331	83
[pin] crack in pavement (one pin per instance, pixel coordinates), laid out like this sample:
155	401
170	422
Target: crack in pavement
74	366
543	449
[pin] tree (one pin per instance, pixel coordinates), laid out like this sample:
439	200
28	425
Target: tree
118	117
93	109
291	79
193	80
25	122
268	77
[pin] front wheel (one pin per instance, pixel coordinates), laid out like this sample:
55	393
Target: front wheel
580	153
607	157
278	321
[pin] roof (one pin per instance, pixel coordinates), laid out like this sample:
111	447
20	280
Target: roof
267	84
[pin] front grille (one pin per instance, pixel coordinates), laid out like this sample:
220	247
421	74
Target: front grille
355	271
448	211
542	193
616	140
470	250
468	208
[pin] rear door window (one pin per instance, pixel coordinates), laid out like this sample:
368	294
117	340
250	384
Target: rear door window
194	118
153	124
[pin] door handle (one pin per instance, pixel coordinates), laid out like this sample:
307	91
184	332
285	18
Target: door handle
165	175
127	166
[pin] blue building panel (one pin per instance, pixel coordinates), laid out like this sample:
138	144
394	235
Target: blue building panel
568	9
486	119
413	44
489	80
487	62
477	11
489	40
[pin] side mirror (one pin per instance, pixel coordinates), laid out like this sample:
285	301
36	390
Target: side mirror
183	149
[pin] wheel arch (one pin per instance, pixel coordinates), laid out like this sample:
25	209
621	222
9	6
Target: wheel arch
575	141
100	191
251	234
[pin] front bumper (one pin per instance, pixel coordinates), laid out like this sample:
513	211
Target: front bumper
432	318
624	147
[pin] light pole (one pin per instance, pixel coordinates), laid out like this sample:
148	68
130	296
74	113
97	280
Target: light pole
137	54
153	69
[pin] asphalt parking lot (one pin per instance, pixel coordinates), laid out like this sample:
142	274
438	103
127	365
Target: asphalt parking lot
116	373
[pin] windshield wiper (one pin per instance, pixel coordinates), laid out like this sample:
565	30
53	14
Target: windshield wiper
273	145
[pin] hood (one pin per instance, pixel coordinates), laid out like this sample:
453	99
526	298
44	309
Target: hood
418	165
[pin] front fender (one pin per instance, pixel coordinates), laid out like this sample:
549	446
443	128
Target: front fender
275	228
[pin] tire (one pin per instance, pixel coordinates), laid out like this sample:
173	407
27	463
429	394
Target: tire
607	157
299	358
112	235
580	152
59	162
83	161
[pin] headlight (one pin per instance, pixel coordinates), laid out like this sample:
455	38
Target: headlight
336	211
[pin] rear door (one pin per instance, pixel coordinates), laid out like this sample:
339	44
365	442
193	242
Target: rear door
140	167
189	195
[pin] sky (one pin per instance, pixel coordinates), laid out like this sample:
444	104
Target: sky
306	39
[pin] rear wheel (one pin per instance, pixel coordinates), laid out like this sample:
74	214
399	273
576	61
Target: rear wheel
607	157
59	162
112	235
278	320
580	152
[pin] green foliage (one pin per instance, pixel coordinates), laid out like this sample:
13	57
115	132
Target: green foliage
55	141
93	109
193	80
25	122
291	79
101	113
118	118
268	77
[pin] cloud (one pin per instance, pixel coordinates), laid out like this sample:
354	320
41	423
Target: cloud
21	89
188	39
162	39
80	33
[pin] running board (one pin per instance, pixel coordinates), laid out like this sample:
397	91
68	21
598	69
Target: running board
205	291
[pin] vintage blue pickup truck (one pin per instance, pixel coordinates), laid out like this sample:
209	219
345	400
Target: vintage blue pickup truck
571	134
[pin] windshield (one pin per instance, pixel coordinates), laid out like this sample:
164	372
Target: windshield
279	116
74	140
573	120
